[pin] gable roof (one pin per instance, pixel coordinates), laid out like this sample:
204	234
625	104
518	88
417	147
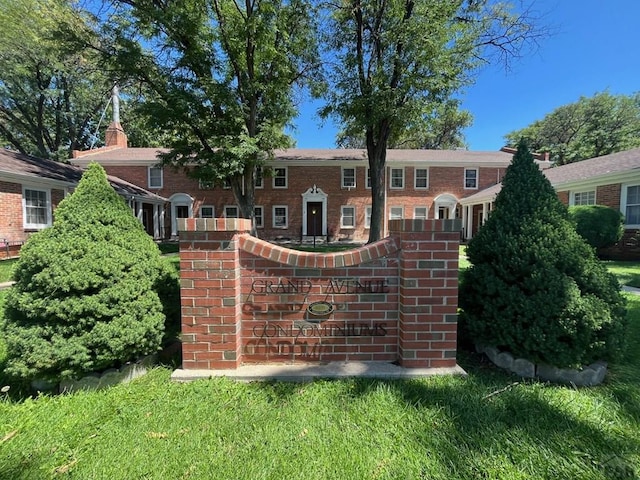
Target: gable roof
23	167
114	155
612	168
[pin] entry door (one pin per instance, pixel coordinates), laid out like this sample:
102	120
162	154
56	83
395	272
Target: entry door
314	218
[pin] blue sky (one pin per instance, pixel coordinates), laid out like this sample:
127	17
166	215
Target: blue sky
595	47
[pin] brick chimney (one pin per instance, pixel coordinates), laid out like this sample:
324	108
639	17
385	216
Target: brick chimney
115	136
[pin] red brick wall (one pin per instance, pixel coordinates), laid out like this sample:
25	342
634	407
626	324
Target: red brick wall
609	195
11	223
12	232
329	180
245	300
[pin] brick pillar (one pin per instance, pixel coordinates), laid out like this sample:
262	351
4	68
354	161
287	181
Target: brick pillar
210	292
428	291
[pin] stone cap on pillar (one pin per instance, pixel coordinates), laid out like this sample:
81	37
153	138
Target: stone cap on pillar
431	225
240	225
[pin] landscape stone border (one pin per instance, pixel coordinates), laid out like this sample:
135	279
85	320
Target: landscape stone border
588	376
97	381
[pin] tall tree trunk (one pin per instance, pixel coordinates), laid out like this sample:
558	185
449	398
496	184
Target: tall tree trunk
244	191
377	153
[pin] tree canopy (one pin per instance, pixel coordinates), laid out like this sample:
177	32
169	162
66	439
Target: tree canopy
591	127
51	95
223	75
397	61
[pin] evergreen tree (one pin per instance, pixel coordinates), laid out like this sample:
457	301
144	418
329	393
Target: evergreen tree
535	287
85	293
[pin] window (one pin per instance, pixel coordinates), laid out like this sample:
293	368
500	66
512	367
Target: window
396	213
348	177
347	217
584	198
367	217
36	208
155	177
258	212
231	211
206	184
397	178
420	213
259	178
368	183
421	179
280	177
631	203
280	216
471	178
207	211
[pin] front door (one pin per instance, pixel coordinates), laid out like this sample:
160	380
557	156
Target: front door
314	218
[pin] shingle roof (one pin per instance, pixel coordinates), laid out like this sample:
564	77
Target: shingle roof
293	155
591	169
29	166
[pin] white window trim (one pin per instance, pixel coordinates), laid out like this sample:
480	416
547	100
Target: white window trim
262	216
572	197
286	177
426	214
415	178
213	211
149	177
391	169
48	210
367	216
286	217
342	210
396	207
623	204
231	206
477	170
260	177
343	184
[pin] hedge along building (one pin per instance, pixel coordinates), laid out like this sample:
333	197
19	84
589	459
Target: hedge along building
31	188
247	301
611	180
313	193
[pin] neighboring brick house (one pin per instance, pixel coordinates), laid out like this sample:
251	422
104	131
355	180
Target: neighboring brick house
612	180
321	193
31	188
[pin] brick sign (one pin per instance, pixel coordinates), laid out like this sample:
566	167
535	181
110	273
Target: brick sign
245	300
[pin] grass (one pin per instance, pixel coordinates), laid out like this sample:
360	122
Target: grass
6	268
488	425
628	273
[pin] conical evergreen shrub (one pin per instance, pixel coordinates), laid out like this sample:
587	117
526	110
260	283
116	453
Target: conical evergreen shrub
535	287
85	293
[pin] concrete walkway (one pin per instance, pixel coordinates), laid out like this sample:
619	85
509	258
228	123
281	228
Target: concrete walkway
4	285
302	372
633	290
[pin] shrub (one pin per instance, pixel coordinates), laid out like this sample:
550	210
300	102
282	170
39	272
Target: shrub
84	297
600	226
535	287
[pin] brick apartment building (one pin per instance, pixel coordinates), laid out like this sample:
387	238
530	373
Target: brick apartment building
310	193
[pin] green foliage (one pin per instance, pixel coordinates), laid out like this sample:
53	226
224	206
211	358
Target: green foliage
86	292
398	66
223	74
591	127
599	225
535	287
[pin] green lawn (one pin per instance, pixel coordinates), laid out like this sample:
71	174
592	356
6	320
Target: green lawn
628	273
488	425
6	267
